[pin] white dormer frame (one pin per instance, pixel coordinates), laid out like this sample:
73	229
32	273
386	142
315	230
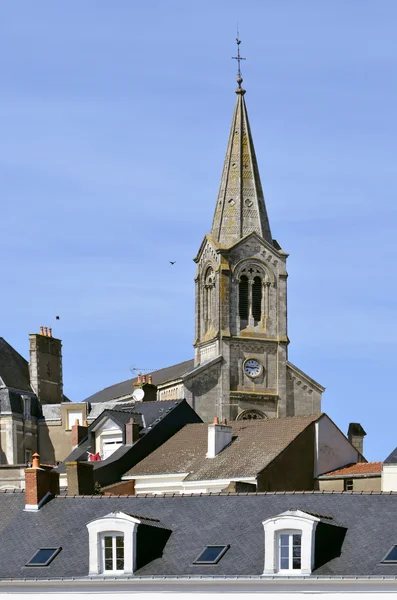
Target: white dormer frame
113	523
291	521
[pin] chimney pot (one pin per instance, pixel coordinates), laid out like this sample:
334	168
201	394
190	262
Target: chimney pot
50	332
41	330
143	378
45	331
216	421
139	378
150	379
36	461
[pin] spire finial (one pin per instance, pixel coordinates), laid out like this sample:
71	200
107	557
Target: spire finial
239	58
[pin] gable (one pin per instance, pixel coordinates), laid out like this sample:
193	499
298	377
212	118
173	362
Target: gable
14	369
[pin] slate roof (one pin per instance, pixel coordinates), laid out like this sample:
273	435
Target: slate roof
14	369
254	445
371	468
392	458
195	521
126	388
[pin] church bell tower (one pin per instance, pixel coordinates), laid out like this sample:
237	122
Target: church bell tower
241	342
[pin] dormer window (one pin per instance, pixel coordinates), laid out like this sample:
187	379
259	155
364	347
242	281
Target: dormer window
289	543
120	543
297	542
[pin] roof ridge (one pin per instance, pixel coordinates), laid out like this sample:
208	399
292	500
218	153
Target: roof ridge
215	494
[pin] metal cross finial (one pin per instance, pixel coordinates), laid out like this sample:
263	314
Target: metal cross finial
239	59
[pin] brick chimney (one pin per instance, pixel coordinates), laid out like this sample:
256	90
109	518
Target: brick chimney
131	432
356	435
40	482
45	367
79	432
219	436
80	476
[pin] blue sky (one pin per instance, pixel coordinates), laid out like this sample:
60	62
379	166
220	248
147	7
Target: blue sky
114	121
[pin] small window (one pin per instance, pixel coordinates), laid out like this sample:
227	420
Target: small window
73	416
211	555
290	551
391	556
43	557
113	553
348	485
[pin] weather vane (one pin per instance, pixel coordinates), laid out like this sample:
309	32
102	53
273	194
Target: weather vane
239	58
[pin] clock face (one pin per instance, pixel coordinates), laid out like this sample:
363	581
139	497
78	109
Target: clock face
252	367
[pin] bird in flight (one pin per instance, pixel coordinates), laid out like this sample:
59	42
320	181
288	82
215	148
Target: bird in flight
172	262
57	318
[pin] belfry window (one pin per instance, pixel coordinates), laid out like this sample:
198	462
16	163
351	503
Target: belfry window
251	297
257	299
243	298
209	298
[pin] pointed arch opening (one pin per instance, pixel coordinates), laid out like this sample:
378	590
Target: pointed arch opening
257	300
243	300
209	298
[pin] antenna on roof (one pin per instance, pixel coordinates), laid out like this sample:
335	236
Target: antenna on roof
138	395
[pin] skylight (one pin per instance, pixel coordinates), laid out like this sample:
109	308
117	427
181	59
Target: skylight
43	557
211	555
391	556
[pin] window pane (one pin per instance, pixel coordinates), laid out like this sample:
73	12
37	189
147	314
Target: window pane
120	564
42	556
211	554
284	551
120	541
297	539
108	553
296	563
284	539
108	541
284	563
108	564
392	555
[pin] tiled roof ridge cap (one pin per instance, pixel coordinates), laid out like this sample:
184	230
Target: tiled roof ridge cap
214	494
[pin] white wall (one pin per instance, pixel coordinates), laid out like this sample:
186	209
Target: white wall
333	449
389	478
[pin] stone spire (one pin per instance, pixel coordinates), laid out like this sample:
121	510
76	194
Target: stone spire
240	208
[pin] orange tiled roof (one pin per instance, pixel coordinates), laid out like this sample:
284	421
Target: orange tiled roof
357	469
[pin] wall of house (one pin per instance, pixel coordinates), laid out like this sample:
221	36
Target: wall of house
333	449
12	476
54	442
360	484
293	468
303	398
389	477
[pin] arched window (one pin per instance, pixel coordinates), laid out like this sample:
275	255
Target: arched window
209	298
257	299
243	298
251	415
